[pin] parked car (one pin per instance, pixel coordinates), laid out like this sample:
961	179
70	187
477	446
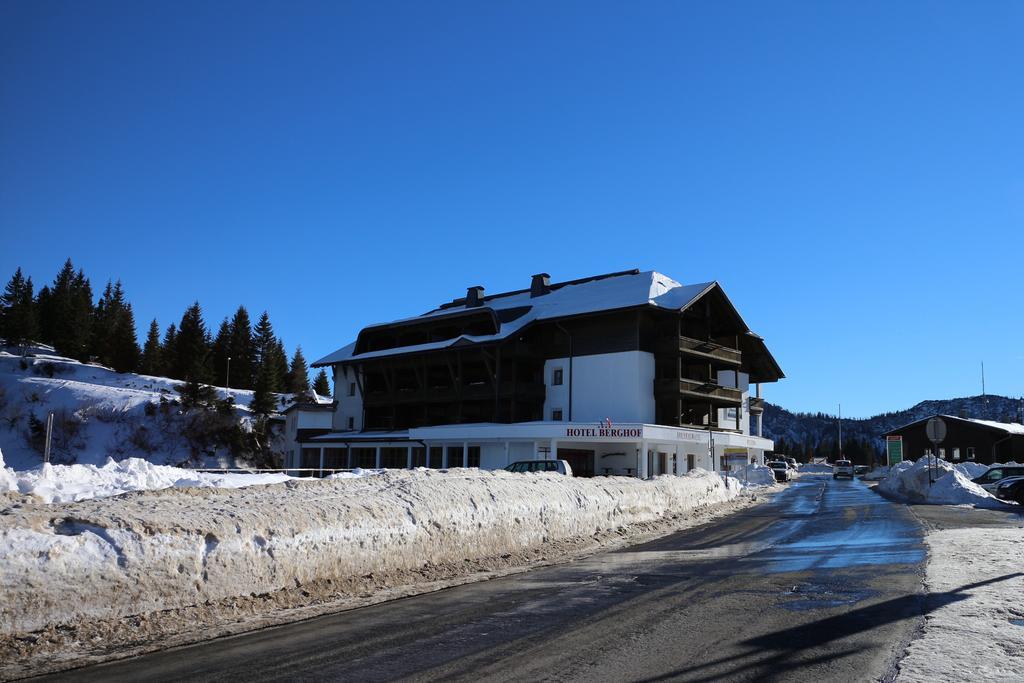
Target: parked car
793	464
996	474
781	470
861	469
559	466
1010	488
842	468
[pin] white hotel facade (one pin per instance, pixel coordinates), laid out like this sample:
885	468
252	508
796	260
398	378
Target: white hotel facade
628	373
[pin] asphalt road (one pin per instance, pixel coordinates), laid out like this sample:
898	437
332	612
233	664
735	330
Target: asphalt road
823	583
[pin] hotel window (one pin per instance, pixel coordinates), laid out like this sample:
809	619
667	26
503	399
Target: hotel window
455	456
956	453
419	456
394	458
351	423
473	456
970	452
556	415
436	457
556	378
351	388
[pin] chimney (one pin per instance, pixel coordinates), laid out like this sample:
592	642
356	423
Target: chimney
540	285
474	296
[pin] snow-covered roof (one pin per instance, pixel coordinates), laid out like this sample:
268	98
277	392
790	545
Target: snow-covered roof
623	290
1008	427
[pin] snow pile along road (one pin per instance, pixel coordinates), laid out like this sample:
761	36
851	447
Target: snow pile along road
153	551
70	483
755	475
910	481
974	627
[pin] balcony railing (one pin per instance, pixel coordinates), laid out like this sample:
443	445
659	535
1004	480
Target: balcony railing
690	389
756	405
705	350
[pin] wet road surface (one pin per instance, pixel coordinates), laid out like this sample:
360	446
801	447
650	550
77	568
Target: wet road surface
823	583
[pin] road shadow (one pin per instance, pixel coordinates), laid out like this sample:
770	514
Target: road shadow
777	654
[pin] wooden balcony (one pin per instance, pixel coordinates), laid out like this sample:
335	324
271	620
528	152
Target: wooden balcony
756	405
695	390
711	352
477	391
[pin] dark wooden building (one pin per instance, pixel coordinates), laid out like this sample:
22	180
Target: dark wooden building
981	441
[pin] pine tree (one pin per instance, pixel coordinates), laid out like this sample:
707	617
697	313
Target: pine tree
57	312
124	345
221	352
113	341
18	323
168	350
81	317
268	380
298	374
151	363
322	385
192	347
279	364
102	319
242	351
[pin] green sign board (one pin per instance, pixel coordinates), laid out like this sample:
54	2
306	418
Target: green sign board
894	449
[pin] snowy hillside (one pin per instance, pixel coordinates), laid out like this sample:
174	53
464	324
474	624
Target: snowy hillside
801	434
100	414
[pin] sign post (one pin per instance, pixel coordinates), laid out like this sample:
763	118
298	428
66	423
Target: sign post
936	431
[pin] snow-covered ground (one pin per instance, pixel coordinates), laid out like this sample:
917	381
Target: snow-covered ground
99	414
952	484
176	556
975	581
70	483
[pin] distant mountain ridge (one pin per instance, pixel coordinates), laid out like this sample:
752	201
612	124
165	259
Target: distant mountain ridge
806	435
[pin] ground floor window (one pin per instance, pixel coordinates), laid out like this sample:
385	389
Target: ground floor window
365	458
455	458
394	458
436	457
970	452
473	456
310	458
335	458
419	456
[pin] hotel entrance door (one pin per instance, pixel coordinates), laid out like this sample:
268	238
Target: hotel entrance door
581	462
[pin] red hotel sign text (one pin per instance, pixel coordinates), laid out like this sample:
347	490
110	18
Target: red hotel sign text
612	432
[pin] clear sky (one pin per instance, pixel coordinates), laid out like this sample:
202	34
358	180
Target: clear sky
852	173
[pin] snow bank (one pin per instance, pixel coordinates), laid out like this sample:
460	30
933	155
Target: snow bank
754	475
70	483
177	548
971	470
974	578
910	480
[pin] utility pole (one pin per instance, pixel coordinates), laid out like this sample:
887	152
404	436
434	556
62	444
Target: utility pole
49	437
840	431
983	396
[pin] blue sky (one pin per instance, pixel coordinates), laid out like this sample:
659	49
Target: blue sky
852	173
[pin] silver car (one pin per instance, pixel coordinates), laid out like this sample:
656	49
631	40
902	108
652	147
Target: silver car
842	468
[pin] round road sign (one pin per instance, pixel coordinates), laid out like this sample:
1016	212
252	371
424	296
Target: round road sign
936	430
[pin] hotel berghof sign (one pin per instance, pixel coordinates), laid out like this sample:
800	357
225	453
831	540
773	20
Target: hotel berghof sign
606	432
